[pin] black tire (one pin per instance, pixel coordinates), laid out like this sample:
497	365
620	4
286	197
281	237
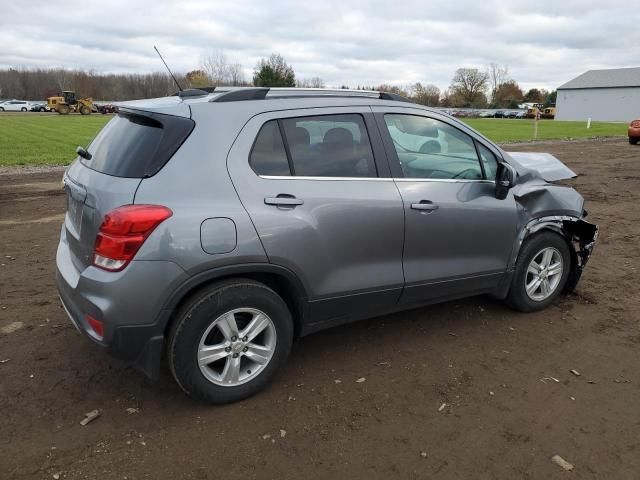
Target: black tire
23	109
1	109
518	297
633	140
200	312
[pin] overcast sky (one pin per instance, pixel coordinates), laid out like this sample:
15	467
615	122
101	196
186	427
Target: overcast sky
544	43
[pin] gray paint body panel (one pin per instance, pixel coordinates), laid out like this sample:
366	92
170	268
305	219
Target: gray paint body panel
218	235
346	238
548	166
354	248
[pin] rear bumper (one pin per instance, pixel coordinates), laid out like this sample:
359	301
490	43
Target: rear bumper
140	345
129	303
634	132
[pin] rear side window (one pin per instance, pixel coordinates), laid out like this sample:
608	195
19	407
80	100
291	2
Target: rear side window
319	146
268	156
137	145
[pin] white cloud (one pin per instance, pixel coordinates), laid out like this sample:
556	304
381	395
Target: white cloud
354	42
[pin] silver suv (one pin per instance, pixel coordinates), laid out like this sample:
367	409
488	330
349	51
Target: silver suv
213	228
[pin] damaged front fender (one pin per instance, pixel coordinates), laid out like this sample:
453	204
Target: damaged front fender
580	234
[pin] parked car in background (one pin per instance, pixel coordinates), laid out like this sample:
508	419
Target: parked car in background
15	106
485	114
499	114
215	262
634	132
106	108
40	107
521	114
511	114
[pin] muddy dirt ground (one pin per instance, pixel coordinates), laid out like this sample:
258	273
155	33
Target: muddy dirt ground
504	417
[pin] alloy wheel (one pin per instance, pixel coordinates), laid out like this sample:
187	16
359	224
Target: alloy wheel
236	347
543	274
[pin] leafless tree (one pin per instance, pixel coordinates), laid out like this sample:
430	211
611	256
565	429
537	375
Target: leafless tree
470	85
221	72
497	76
61	76
426	94
313	82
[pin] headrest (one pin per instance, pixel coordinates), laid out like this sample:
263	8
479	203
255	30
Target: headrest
299	136
338	135
423	127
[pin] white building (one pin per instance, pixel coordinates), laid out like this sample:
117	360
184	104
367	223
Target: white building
606	95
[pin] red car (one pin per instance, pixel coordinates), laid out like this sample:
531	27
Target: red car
634	132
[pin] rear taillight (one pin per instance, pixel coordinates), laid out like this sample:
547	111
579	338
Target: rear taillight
122	233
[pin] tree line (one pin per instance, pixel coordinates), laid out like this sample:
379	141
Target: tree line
470	87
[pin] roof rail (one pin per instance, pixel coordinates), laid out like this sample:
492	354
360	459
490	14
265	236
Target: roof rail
239	94
194	92
234	94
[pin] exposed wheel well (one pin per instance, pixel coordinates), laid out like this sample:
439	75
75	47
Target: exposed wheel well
560	230
280	284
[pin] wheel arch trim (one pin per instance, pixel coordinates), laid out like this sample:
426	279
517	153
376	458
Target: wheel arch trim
239	270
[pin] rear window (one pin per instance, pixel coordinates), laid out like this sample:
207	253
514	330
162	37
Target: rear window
137	145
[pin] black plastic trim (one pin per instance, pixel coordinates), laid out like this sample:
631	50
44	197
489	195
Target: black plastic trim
393	96
243	94
247	268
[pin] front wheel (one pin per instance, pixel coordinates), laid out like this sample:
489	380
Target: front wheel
541	273
229	340
633	140
23	109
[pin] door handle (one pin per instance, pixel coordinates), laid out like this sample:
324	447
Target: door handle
283	200
425	205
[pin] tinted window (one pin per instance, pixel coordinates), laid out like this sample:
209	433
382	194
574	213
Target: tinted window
489	161
137	146
268	156
429	148
329	146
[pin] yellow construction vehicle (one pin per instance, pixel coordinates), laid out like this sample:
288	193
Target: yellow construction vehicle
68	103
534	110
549	112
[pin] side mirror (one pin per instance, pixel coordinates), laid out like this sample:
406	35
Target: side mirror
505	179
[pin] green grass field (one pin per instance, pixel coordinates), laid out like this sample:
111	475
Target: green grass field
31	139
513	130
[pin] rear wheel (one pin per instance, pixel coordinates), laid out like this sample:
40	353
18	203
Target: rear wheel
1	109
633	140
541	272
23	109
229	340
63	109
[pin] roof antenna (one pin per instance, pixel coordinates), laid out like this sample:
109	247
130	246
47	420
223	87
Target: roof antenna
168	69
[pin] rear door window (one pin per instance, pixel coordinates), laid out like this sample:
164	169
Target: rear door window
319	146
137	146
329	146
